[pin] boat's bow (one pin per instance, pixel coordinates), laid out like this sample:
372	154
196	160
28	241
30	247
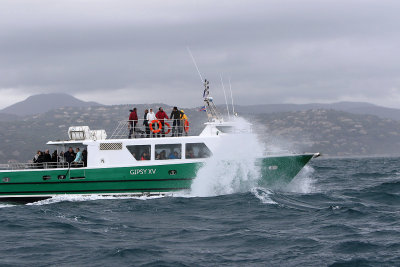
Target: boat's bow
283	168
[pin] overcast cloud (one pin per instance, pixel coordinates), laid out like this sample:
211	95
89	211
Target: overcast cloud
117	52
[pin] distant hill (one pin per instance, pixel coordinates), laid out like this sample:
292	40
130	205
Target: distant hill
351	107
331	132
339	129
9	117
44	102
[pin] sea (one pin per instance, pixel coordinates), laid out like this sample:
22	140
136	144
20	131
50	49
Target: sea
336	212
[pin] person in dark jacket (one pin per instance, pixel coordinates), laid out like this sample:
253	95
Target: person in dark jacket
161	115
146	123
84	157
54	156
133	119
69	155
176	121
47	156
38	157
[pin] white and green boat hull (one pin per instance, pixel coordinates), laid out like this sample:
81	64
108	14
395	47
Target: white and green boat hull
148	179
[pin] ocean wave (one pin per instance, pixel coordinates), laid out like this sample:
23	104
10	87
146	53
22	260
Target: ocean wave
375	175
357	262
390	186
355	246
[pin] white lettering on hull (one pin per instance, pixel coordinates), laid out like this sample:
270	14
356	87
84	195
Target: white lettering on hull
142	171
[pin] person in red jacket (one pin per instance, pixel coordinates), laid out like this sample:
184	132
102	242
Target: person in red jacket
133	119
161	115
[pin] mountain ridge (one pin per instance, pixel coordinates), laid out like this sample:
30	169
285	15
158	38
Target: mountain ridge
42	103
333	133
351	107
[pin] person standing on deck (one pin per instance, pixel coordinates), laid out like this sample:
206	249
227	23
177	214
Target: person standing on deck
78	159
133	119
84	157
54	156
176	121
38	158
47	156
146	123
69	155
161	115
184	118
150	117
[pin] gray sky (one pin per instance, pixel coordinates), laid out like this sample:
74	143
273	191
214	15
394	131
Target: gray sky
117	52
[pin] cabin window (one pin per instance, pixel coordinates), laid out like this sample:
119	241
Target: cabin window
140	152
168	151
225	129
197	151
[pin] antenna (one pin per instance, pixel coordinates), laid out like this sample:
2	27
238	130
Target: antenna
212	112
230	88
194	61
226	101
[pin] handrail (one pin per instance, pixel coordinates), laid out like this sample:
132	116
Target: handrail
171	128
43	165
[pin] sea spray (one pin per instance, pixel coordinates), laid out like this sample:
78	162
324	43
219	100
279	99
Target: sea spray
232	167
303	183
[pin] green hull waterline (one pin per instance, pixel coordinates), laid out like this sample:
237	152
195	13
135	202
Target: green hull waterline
126	180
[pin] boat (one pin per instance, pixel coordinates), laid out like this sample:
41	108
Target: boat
143	165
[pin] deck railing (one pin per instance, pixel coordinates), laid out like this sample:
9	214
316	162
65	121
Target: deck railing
43	165
128	129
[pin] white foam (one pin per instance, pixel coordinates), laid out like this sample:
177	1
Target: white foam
232	167
6	206
79	198
263	194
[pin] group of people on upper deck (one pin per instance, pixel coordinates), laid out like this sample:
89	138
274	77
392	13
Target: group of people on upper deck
70	157
156	125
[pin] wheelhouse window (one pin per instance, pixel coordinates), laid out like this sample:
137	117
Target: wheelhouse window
168	151
197	151
225	129
140	152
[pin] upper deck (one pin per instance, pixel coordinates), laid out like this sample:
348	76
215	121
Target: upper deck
141	129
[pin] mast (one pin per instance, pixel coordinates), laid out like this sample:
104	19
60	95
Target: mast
211	109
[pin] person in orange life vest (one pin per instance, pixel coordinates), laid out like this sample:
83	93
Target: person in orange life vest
184	119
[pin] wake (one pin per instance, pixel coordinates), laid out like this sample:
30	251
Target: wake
80	198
